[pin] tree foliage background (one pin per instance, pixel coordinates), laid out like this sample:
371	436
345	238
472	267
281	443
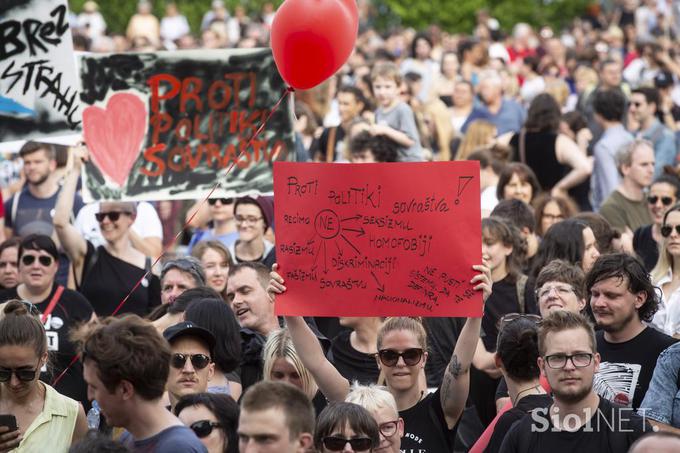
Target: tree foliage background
451	15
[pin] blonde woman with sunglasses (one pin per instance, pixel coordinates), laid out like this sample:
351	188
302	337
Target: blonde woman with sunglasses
430	419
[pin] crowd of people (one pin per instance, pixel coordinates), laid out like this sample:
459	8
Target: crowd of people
576	134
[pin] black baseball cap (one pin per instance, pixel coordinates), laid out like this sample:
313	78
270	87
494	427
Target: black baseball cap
189	329
663	79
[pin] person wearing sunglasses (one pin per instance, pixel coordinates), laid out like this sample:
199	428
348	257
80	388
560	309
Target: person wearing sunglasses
647	240
346	427
106	274
626	207
253	218
213	418
578	417
430	419
665	274
61	307
516	357
219	214
383	408
191	365
44	418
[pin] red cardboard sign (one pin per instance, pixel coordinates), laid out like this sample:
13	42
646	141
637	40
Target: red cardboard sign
395	239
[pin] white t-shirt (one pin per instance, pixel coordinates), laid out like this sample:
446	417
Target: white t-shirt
147	224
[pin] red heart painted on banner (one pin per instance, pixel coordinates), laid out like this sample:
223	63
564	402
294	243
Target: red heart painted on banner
114	135
312	39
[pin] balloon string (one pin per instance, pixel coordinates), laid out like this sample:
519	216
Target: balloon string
285	94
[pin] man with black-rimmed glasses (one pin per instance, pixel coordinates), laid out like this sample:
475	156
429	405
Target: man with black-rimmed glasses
579	419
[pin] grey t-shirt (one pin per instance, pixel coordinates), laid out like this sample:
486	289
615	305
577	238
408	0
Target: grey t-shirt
176	439
401	118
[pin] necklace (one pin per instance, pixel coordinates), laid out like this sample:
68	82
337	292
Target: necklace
519	394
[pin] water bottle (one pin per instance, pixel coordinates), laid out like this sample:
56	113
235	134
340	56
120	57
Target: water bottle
93	416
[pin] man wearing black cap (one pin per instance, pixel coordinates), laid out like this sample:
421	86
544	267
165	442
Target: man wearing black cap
669	112
191	365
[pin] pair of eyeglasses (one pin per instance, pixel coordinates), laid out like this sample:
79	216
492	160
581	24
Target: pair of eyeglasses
558	361
198	361
562	291
32	309
666	201
506	319
388	429
44	260
23	374
203	428
666	230
224	201
390	357
112	215
334	443
240	219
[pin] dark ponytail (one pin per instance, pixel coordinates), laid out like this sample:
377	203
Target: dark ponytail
517	349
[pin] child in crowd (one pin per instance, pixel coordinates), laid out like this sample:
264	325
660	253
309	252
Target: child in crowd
394	119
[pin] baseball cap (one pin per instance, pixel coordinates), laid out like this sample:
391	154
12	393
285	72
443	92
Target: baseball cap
663	79
190	329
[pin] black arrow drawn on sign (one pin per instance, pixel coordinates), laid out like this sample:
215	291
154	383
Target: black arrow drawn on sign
325	258
338	247
361	231
381	287
350	244
356	217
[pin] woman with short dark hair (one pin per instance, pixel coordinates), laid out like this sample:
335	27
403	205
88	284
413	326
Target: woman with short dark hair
213	418
340	424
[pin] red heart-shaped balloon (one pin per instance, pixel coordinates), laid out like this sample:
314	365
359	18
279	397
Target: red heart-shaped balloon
114	135
312	39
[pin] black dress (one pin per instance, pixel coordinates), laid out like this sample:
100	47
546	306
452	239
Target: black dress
107	280
541	157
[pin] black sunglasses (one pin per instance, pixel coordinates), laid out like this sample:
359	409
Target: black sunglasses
333	443
203	428
390	357
666	230
198	361
666	201
224	201
113	215
22	374
27	260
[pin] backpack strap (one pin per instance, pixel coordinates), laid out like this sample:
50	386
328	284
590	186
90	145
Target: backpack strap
520	287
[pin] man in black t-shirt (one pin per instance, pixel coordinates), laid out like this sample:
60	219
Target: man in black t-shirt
622	297
62	310
578	419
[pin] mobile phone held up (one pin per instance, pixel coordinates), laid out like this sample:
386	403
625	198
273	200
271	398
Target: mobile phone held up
9	421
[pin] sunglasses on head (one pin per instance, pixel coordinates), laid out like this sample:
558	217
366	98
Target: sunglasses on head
224	201
390	357
44	260
666	201
198	361
112	215
23	374
666	230
203	428
334	443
